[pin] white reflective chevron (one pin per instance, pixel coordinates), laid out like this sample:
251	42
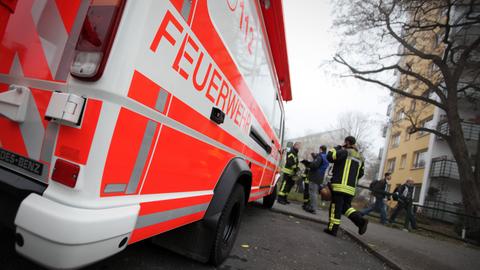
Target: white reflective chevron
51	31
159	217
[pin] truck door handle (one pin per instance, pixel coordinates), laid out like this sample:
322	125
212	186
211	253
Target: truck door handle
260	141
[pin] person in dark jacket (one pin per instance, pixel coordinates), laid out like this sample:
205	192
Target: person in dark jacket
288	171
348	167
306	182
317	169
379	190
404	196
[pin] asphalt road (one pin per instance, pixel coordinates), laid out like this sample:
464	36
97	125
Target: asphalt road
267	240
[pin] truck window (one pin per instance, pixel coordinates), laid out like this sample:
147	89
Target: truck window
277	120
239	25
265	92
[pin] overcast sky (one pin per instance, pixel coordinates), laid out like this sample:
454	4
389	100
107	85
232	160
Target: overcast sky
318	96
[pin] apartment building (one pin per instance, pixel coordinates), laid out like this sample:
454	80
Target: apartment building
424	157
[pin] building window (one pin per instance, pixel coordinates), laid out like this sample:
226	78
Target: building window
395	142
413	105
403	161
400	115
428	94
419	159
425	123
416	192
391	165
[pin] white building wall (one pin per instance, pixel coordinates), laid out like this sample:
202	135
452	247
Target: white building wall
429	156
449	188
384	153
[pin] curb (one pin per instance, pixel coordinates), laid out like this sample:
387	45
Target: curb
366	246
352	235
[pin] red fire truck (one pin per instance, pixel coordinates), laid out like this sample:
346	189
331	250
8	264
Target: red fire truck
124	120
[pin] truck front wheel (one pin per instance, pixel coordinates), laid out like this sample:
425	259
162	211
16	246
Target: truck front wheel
228	225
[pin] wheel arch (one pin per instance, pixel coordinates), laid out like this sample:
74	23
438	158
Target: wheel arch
236	171
196	240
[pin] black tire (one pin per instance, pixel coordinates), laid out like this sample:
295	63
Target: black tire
269	201
228	225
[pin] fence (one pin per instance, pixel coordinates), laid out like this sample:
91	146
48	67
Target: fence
445	219
471	130
444	168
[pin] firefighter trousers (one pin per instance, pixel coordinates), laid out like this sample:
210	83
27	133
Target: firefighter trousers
342	204
286	186
306	191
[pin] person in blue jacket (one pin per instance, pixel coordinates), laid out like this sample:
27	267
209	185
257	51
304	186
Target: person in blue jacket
316	174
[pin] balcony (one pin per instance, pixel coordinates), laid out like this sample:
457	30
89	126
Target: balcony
466	34
445	168
471	130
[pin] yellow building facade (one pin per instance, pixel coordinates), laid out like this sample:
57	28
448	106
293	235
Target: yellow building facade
406	153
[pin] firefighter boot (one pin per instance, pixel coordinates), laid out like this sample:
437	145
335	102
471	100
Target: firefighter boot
309	209
333	231
305	205
361	222
282	199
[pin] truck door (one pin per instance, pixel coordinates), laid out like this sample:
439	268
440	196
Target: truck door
37	42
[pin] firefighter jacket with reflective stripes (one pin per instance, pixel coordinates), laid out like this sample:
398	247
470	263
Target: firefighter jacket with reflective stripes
291	166
348	166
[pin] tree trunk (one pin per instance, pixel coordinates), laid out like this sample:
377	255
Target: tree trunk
468	183
477	162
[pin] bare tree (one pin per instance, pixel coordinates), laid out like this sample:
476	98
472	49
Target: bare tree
431	45
359	125
363	127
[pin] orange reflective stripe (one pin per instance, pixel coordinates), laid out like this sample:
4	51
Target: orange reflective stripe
149	93
121	163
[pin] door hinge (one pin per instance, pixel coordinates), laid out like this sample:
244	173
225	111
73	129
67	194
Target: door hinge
14	103
65	108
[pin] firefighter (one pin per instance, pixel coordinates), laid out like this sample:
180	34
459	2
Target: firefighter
306	187
348	166
306	180
288	171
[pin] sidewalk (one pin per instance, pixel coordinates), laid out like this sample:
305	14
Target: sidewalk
402	249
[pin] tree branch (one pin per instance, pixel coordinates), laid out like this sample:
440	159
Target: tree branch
435	58
401	92
433	131
424	80
415	129
357	73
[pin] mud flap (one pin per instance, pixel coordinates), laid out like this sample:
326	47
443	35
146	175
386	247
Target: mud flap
194	240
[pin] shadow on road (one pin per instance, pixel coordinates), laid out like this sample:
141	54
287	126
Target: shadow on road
267	240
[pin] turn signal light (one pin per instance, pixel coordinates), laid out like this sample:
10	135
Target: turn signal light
65	173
